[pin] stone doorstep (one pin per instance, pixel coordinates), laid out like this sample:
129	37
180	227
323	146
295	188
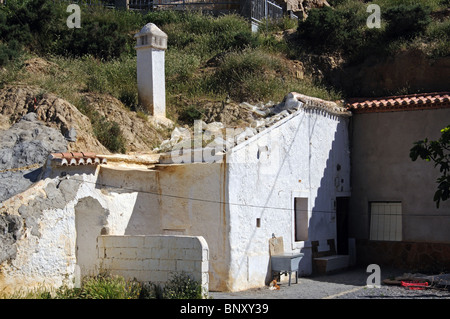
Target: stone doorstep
331	263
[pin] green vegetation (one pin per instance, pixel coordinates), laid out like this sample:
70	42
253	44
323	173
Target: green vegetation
209	59
100	57
438	152
342	29
105	286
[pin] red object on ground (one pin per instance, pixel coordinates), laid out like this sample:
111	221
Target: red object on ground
414	285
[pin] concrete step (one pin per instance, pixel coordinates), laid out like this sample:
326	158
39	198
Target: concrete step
331	263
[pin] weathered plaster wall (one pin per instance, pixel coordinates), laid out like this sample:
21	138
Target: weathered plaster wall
297	157
44	249
383	171
53	226
186	199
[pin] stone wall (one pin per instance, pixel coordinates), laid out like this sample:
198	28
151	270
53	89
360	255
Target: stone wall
155	258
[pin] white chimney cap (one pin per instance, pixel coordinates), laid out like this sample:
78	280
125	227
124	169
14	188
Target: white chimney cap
151	36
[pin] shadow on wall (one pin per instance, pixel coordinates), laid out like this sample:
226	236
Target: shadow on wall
266	210
333	192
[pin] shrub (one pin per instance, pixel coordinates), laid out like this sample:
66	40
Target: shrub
163	17
182	286
339	30
129	99
206	36
110	287
189	114
180	66
98	37
406	21
102	286
9	51
109	134
240	72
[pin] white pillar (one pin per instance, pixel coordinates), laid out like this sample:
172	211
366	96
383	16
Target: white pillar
150	48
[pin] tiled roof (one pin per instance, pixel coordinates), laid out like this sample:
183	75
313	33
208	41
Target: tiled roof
419	101
68	159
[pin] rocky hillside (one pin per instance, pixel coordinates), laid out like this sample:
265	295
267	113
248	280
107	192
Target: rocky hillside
214	66
24	147
17	100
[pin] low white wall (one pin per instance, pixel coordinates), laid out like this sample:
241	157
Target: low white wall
154	258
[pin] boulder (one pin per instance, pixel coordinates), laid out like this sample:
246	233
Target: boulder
24	148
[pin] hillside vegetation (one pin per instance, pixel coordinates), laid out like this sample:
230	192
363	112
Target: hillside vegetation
210	61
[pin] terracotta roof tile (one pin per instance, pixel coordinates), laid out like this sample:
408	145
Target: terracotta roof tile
78	158
400	102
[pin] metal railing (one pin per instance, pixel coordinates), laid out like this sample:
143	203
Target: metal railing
89	3
265	9
214	5
256	10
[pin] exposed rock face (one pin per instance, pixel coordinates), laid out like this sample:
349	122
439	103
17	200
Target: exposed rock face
301	7
15	102
140	134
24	147
10	232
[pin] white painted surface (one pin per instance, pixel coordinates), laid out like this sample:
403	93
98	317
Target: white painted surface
303	152
155	258
150	51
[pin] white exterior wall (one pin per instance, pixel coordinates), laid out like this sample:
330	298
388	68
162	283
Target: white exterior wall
185	199
297	158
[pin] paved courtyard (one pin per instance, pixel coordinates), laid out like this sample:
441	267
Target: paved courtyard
349	284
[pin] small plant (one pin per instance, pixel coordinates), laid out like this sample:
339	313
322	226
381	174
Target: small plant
106	286
189	114
182	286
110	135
129	99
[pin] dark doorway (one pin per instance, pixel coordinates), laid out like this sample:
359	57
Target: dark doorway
342	205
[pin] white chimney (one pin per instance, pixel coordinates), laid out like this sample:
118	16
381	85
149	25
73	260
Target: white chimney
150	49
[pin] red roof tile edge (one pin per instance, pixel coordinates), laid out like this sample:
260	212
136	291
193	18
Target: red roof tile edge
419	101
77	158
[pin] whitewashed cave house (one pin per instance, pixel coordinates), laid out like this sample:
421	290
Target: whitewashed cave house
288	176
